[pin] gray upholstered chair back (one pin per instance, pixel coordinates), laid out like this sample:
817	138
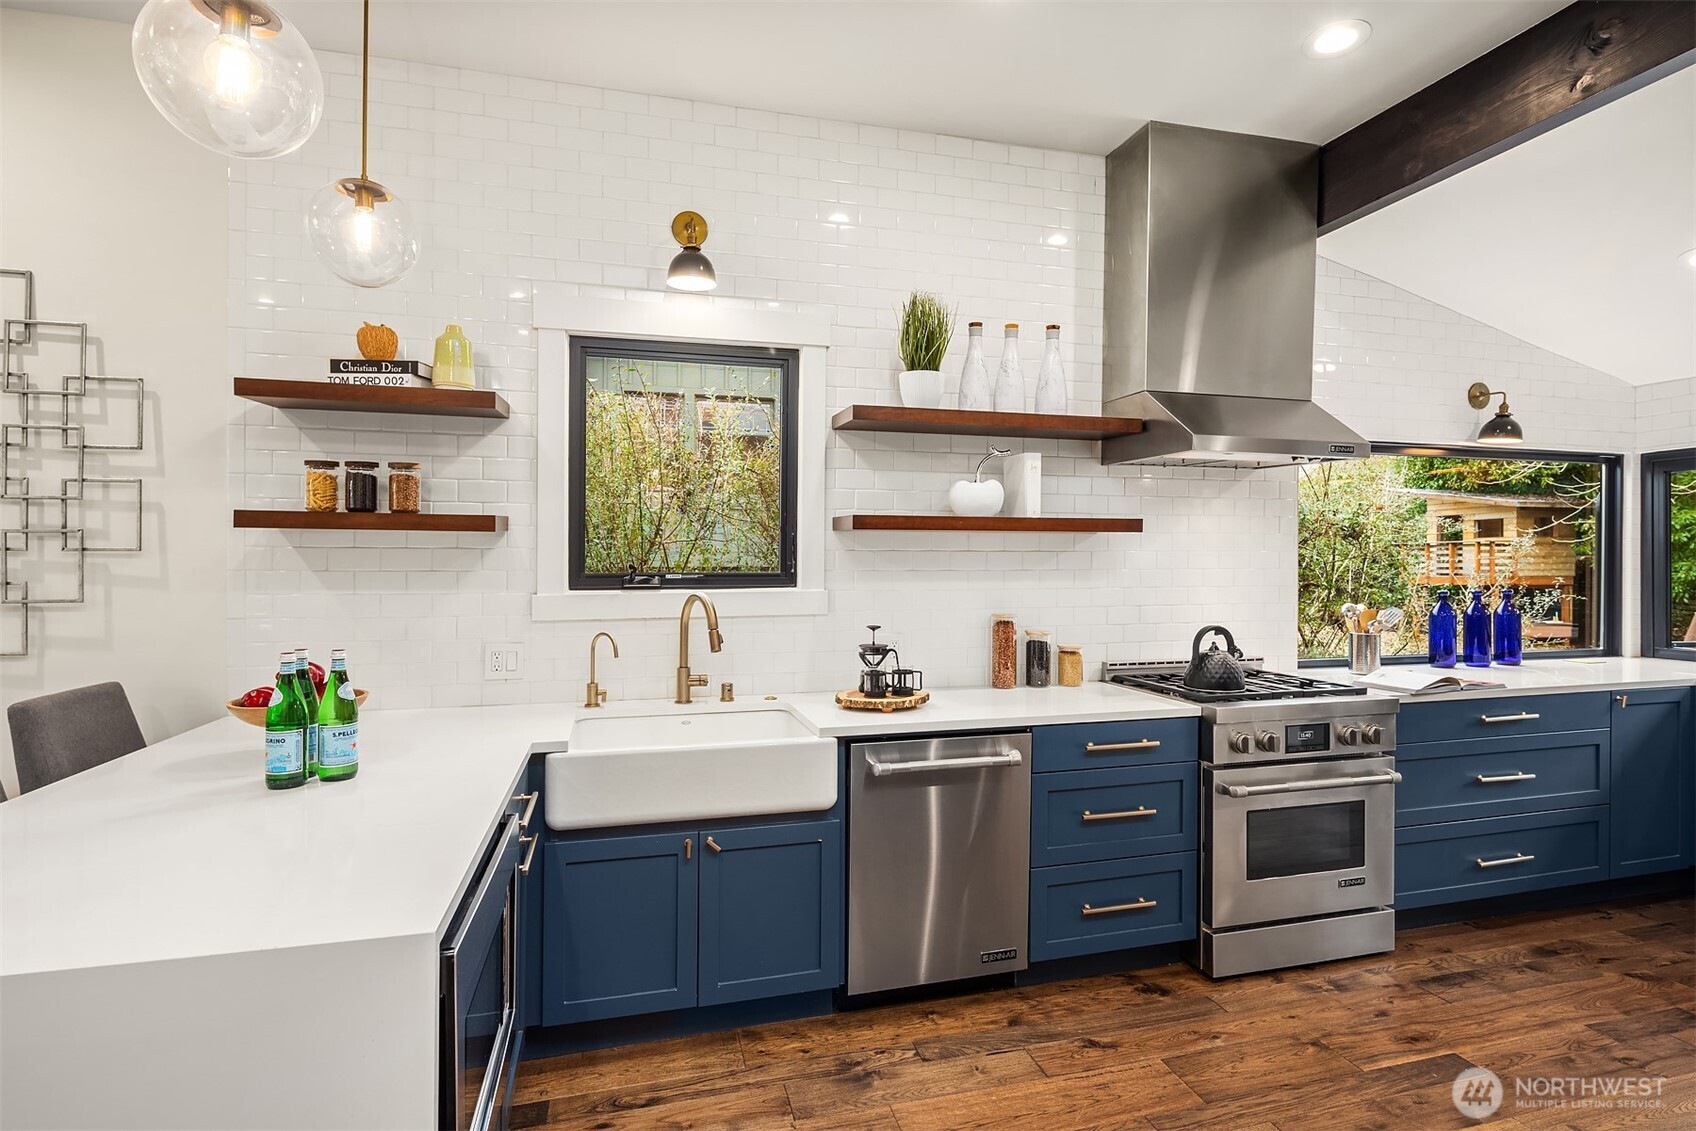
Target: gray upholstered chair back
55	736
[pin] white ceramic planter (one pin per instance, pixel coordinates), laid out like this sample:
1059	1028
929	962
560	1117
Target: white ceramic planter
975	500
921	388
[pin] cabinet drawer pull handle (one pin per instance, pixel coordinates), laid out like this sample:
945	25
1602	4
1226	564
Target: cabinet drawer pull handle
1516	858
1496	779
1522	717
524	868
529	800
688	848
714	845
1622	699
1139	905
1123	814
1099	747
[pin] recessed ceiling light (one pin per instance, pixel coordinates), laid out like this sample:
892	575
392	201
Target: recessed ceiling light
837	218
1337	39
1058	239
1688	258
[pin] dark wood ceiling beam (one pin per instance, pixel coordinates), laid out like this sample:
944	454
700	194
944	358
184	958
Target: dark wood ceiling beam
1582	57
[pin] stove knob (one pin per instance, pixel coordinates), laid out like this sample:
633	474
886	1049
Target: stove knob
1373	733
1348	735
1239	742
1267	741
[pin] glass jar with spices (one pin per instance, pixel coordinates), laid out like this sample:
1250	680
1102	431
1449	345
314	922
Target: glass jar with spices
1038	658
1003	651
361	486
403	488
1071	665
322	487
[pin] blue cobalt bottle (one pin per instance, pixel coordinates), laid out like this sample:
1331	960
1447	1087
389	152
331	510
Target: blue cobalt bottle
1507	630
1440	631
1475	632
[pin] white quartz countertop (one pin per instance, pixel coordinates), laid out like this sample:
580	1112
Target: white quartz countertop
178	850
981	708
1616	673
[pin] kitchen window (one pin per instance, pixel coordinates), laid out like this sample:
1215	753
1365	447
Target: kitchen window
1669	554
683	465
1413	520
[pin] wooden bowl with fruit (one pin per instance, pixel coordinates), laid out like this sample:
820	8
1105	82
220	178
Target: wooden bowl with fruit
250	708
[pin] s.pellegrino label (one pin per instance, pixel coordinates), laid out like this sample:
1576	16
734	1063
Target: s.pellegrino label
338	746
285	752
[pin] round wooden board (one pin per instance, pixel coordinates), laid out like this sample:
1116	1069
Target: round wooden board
852	700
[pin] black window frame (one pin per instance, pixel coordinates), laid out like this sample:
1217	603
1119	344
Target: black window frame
1608	540
787	361
1656	529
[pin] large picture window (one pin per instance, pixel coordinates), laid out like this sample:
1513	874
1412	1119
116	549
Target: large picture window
683	465
1408	522
1669	554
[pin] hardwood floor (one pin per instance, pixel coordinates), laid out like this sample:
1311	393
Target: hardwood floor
1601	991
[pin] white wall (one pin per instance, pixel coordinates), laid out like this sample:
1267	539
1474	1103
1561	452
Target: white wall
122	220
520	181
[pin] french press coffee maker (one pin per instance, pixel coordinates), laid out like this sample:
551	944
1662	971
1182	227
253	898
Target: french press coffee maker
876	681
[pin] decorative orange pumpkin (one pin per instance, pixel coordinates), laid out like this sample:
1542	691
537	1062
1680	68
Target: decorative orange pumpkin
377	343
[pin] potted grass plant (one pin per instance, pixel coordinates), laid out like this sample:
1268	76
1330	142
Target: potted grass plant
926	327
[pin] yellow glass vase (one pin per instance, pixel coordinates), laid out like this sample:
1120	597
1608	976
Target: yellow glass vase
453	360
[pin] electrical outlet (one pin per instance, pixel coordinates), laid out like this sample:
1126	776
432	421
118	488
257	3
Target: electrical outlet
503	661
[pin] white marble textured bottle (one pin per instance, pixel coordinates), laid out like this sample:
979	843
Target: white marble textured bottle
975	393
1010	379
1050	377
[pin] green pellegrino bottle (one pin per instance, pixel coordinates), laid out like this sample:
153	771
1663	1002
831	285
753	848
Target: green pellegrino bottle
285	731
308	699
338	723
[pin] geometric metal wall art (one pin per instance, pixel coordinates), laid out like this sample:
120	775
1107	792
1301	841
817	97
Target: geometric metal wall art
47	493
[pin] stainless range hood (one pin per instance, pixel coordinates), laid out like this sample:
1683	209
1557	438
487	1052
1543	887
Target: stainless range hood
1208	330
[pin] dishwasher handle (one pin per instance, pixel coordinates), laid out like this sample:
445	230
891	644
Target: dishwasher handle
987	761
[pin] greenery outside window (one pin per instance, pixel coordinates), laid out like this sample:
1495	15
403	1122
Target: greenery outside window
683	465
1410	521
1669	554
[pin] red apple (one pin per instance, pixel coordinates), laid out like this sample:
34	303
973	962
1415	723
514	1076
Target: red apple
258	697
318	678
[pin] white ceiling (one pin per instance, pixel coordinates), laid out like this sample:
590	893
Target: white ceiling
1081	76
1570	241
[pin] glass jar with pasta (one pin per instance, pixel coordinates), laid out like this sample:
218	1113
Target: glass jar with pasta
323	489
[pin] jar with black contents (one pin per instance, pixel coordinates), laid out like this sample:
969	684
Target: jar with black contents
1039	658
360	485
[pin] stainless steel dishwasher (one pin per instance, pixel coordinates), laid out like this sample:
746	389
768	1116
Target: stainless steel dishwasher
939	857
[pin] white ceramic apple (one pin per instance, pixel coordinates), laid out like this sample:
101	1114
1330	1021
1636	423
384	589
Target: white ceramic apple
975	498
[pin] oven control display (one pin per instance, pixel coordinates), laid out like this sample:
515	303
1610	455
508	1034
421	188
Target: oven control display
1307	738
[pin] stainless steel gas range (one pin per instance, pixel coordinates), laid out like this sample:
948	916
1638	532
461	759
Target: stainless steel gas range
1298	818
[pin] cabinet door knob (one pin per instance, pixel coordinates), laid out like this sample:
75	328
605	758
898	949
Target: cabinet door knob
688	848
714	845
1621	699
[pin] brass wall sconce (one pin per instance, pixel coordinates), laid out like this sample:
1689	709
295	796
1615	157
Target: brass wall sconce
690	270
1501	428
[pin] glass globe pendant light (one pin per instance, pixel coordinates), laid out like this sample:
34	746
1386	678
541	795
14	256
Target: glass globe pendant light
358	228
230	74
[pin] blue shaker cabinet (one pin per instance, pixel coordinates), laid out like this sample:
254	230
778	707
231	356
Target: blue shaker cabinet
1654	781
771	911
619	926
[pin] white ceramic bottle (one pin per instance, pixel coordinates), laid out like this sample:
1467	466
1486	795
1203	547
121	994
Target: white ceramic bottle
975	394
1051	378
1010	379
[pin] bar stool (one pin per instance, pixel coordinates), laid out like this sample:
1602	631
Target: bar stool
55	736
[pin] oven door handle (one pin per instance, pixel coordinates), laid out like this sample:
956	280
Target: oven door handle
988	761
1389	777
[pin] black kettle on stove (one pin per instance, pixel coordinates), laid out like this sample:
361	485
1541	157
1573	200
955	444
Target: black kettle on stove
1215	669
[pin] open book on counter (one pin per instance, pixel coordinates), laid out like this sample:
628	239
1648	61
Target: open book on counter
1421	681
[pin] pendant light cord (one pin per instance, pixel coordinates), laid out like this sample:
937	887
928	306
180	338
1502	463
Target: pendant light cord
364	89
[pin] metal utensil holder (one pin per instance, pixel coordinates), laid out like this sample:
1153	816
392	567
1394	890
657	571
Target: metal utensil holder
1366	650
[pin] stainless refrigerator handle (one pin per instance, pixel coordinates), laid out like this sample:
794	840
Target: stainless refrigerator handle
883	769
1239	791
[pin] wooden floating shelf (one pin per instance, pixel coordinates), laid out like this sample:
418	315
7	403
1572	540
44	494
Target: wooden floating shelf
994	522
373	398
961	422
371	520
